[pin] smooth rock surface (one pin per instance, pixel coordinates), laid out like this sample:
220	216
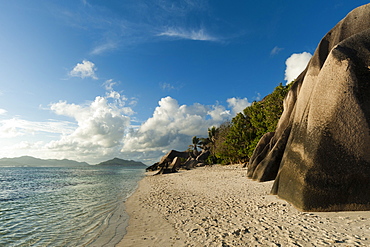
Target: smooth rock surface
321	147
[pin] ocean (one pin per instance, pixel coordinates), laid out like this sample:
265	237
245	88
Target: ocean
52	206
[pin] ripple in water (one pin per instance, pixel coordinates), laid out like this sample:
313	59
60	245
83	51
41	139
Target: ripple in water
64	206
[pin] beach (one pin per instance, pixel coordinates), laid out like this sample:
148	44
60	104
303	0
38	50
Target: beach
218	206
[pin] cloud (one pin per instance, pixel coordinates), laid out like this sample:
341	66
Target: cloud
33	148
172	126
106	30
84	69
169	87
108	84
95	133
119	99
180	33
295	64
140	22
238	105
14	127
276	50
102	48
218	114
257	97
102	129
3	111
100	125
8	129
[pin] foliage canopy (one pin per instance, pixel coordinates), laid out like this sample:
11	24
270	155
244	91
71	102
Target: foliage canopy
235	140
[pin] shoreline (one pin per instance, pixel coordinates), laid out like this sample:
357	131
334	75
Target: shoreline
113	228
219	206
146	227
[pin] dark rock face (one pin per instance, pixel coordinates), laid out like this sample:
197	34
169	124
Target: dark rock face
153	167
203	155
171	167
320	152
167	165
167	159
190	163
172	154
262	149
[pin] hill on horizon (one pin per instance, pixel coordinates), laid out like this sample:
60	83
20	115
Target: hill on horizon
123	163
29	161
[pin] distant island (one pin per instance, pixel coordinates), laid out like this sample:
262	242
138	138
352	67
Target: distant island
29	161
122	163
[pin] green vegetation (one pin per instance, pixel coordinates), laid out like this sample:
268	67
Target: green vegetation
196	143
235	140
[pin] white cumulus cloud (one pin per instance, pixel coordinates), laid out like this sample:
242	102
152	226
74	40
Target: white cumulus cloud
102	129
238	105
172	126
95	133
295	64
100	124
9	129
119	99
84	70
3	111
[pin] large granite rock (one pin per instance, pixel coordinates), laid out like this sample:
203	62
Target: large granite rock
203	156
172	167
320	152
167	159
190	164
258	156
172	154
153	167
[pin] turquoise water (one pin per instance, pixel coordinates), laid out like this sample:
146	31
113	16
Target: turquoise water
44	206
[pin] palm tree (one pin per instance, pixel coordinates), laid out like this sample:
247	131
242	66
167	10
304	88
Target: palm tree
204	143
212	134
195	144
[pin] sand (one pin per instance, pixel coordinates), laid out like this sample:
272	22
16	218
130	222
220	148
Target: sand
219	206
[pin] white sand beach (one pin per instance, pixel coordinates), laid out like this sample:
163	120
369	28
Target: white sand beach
219	206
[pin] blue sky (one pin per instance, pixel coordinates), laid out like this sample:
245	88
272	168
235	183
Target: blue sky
92	80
